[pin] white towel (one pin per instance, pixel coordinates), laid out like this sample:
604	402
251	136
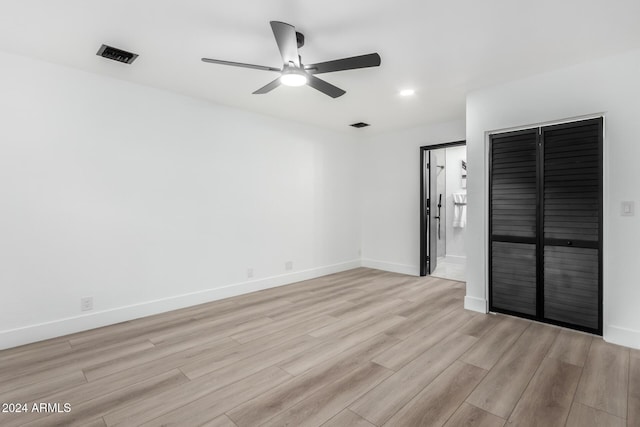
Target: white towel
459	210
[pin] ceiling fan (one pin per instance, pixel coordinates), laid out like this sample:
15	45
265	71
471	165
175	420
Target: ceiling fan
294	72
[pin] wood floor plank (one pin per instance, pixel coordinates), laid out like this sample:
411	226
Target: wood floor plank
426	318
173	352
480	325
224	355
404	352
435	301
76	358
34	391
195	403
221	421
26	355
389	293
96	408
307	310
368	308
346	325
332	399
546	402
44	370
145	328
426	289
276	347
385	400
307	360
99	422
470	416
277	325
604	382
97	389
216	327
486	352
571	347
633	412
501	389
280	398
35	347
586	416
439	400
347	418
245	367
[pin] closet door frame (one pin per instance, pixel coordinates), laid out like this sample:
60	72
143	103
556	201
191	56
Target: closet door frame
540	239
424	201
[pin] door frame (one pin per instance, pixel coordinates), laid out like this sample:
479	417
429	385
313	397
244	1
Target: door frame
424	187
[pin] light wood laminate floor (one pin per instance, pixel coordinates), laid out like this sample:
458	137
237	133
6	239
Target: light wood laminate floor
358	348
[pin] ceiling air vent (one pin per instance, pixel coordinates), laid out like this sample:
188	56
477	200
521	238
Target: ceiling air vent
116	54
360	125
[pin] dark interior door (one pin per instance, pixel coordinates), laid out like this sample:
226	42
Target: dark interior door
546	224
513	223
432	212
572	202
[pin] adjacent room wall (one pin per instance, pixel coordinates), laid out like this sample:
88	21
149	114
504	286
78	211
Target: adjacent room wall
390	186
149	201
455	235
609	86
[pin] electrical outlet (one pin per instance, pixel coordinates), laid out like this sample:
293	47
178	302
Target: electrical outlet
86	304
249	273
288	265
627	208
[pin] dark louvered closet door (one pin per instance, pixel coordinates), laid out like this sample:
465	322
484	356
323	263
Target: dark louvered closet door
546	224
513	223
572	223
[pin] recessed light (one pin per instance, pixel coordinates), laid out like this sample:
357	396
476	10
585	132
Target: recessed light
407	92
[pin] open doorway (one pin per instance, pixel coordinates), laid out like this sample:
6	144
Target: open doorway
443	210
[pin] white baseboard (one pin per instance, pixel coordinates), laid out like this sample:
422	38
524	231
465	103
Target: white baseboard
475	304
33	333
621	336
392	267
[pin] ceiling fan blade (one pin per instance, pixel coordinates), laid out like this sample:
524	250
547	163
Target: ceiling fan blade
324	87
268	88
240	64
285	35
354	62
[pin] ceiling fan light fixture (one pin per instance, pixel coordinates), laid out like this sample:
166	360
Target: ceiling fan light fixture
293	78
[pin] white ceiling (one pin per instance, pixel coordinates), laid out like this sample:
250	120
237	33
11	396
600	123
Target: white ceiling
441	48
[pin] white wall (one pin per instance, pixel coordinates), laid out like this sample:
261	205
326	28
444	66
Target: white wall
455	235
390	186
610	86
149	201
